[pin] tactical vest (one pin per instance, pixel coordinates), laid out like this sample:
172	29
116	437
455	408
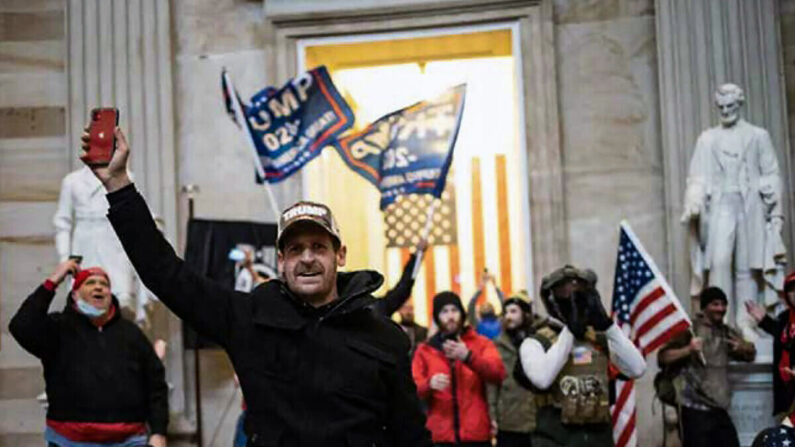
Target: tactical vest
581	389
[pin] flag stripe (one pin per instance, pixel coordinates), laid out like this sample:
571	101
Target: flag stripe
628	431
646	302
455	269
667	335
430	282
656	332
441	262
645	308
503	226
478	242
622	398
656	318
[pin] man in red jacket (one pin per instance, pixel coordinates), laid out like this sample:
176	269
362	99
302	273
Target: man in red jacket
450	370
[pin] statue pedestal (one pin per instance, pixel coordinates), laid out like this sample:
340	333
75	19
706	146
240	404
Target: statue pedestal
752	397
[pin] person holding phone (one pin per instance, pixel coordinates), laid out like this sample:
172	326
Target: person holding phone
105	383
317	366
81	225
451	371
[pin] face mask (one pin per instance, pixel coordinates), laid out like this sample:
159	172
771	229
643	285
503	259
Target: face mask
89	310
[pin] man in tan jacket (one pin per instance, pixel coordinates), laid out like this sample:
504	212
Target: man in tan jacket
512	407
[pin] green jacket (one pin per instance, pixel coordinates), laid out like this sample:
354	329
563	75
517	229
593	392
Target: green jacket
510	405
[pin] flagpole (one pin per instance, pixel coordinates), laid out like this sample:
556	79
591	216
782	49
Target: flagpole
425	233
663	283
241	119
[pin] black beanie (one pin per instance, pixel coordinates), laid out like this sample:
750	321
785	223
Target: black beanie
711	294
444	298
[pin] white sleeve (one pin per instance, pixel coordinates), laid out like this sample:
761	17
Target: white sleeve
63	221
540	366
624	354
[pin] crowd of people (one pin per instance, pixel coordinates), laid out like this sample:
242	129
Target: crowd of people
321	362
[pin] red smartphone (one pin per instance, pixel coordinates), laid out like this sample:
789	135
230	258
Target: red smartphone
102	141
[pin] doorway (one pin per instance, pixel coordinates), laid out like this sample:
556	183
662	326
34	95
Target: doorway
380	73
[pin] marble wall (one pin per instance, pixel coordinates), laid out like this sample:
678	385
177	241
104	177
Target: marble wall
212	152
610	136
33	159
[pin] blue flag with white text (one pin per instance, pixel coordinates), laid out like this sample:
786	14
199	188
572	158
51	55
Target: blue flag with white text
289	127
408	151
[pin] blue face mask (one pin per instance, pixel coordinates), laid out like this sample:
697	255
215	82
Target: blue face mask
89	310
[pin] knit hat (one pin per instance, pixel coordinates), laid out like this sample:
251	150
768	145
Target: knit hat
711	294
520	301
84	274
444	298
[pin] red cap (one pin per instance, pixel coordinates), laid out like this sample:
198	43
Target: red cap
84	274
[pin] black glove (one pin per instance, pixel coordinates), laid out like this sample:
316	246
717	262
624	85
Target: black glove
573	315
597	315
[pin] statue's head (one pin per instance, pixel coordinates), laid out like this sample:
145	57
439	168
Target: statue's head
729	98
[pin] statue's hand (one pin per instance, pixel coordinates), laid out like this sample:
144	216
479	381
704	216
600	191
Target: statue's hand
691	212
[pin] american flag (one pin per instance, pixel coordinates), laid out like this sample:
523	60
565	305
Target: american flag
646	309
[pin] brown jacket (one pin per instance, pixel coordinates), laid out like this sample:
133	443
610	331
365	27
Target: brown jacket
707	386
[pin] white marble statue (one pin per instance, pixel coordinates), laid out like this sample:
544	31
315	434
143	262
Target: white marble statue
733	207
82	228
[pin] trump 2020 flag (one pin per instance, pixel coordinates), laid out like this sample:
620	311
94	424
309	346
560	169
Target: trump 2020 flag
288	127
408	151
646	309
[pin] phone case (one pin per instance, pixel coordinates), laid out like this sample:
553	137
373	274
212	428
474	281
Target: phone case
102	141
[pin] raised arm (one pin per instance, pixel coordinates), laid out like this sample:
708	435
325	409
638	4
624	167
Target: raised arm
203	304
31	326
472	314
398	295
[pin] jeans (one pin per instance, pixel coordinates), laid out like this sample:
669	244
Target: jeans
240	439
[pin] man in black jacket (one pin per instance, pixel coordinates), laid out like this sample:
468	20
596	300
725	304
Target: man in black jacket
316	365
104	382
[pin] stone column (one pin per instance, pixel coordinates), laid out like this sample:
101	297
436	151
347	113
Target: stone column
701	45
119	54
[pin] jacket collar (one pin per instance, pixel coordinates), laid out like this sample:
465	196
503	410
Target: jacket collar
69	309
276	306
